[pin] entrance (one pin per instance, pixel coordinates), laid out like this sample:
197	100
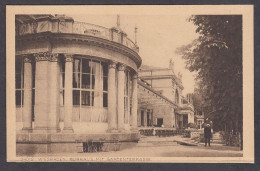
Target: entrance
159	122
142	118
185	121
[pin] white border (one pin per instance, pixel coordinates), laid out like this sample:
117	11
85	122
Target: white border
248	66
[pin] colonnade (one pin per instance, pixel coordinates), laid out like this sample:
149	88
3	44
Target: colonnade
47	89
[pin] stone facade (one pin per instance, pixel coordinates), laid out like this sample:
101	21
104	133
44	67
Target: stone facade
163	81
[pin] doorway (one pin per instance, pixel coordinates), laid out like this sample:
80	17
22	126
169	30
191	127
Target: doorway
142	118
159	122
185	121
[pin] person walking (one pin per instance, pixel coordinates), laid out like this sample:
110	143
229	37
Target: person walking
207	134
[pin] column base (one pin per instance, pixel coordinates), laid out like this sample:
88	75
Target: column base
121	130
27	130
68	130
134	129
46	130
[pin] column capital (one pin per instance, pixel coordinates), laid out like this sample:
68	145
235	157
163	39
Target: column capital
112	64
121	67
46	56
27	59
135	75
68	57
42	56
54	57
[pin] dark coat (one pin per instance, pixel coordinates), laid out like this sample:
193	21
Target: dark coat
207	132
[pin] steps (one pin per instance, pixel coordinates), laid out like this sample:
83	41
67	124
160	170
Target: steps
217	138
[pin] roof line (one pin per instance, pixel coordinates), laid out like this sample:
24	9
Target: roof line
155	92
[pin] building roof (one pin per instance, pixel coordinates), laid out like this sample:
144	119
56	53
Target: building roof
149	67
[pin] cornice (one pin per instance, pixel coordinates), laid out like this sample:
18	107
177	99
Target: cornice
162	77
88	39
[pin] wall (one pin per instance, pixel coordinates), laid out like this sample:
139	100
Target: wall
165	85
165	112
191	117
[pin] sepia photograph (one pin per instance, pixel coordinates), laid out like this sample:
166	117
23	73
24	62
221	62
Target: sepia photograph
130	84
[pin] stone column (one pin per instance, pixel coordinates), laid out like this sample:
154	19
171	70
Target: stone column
120	96
46	93
68	94
54	89
134	103
112	118
41	92
27	108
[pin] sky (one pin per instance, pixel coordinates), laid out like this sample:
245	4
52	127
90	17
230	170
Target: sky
158	36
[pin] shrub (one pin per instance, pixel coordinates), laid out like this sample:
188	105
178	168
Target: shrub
192	125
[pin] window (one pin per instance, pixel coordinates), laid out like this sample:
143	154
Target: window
126	96
104	74
33	88
19	83
142	118
19	73
130	95
62	81
89	82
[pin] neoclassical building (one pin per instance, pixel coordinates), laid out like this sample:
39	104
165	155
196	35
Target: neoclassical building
174	110
74	82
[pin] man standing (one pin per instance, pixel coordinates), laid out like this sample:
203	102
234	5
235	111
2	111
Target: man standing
207	134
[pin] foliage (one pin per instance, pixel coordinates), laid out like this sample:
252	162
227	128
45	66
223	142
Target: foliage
216	57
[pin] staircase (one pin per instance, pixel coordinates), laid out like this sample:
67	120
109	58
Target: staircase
217	138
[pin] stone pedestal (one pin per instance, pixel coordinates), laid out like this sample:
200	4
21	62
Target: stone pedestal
27	108
33	144
120	96
112	118
68	95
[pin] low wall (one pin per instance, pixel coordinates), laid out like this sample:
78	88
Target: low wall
33	144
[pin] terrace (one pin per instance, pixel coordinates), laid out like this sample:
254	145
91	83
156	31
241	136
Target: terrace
33	24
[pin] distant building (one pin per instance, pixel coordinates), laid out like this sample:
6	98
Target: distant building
164	81
154	109
199	119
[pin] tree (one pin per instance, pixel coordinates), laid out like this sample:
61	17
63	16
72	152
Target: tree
216	56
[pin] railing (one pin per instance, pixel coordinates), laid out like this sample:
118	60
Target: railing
75	28
164	132
91	29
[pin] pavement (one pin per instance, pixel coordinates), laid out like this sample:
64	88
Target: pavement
166	147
